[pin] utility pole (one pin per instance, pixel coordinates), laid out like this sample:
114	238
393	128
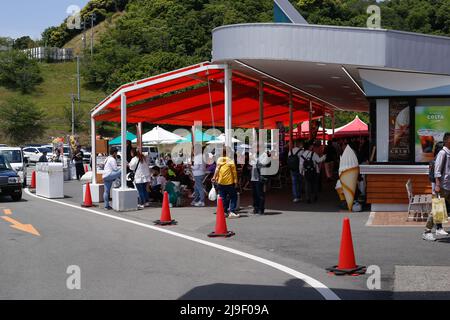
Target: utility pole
73	113
93	19
84	34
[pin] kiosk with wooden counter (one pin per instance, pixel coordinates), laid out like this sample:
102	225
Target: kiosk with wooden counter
386	185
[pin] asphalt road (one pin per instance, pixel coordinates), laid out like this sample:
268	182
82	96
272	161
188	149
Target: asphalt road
122	256
119	260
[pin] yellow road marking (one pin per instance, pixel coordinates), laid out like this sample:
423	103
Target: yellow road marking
22	227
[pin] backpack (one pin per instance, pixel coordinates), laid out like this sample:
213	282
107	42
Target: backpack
293	161
309	167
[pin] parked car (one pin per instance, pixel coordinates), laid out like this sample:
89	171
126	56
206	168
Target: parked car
14	155
86	155
32	154
10	184
3	145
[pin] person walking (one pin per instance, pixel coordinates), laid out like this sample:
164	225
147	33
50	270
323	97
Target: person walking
139	165
111	173
293	163
310	170
199	172
227	180
442	187
258	182
78	160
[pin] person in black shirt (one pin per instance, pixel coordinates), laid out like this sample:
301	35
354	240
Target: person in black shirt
78	159
43	158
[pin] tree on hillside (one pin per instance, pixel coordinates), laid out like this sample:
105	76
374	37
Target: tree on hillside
23	43
19	72
21	121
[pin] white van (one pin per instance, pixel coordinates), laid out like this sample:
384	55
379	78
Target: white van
14	155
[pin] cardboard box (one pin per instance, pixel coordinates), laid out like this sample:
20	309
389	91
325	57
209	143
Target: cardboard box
99	178
101	146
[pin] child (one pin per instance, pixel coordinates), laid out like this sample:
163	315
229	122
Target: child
157	184
173	192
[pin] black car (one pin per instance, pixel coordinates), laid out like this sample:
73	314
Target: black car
10	184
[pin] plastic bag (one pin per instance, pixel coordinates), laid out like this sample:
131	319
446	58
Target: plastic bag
212	194
439	210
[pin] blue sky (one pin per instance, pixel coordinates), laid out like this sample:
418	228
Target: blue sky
31	17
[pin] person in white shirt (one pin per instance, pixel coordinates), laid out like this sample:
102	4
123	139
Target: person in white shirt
310	170
111	173
199	172
157	184
139	165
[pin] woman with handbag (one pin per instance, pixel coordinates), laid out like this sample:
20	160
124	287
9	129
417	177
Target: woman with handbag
141	170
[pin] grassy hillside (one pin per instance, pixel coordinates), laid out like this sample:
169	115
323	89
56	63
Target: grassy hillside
77	42
53	95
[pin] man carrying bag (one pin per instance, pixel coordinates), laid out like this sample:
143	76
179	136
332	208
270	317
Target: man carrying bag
440	205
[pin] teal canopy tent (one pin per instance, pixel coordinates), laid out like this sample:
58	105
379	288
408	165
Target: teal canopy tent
199	137
117	141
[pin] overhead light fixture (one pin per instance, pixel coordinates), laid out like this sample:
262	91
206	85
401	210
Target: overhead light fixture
335	77
321	64
314	86
346	87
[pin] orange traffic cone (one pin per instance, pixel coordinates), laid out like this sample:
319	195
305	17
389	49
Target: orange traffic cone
221	223
87	197
347	263
166	218
33	180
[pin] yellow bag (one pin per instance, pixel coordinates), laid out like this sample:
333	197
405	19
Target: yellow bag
439	210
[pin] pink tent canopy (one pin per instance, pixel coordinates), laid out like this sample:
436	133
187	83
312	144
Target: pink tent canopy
355	128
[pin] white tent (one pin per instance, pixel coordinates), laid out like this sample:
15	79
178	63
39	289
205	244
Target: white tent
221	140
159	136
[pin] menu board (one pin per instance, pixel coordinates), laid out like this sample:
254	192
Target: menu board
399	130
431	125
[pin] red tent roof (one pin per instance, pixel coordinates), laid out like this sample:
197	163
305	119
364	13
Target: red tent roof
354	128
196	93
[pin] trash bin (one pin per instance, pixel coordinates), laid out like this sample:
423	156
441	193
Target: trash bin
50	180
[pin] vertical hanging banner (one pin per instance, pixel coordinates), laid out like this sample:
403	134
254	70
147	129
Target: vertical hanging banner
399	130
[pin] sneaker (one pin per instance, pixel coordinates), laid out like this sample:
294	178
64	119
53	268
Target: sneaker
147	205
441	232
296	200
428	236
140	207
199	204
233	215
193	203
108	208
170	205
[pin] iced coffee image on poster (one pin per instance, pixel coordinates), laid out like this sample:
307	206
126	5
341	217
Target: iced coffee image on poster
431	125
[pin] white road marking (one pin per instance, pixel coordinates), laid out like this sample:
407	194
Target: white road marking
326	292
370	220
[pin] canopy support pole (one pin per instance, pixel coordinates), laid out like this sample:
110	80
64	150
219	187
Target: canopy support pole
94	151
123	111
291	121
324	138
310	119
139	136
228	106
261	105
333	120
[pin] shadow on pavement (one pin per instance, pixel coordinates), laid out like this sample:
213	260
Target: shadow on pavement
293	290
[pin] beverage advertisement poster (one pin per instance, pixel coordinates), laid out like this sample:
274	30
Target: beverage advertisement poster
399	131
431	125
